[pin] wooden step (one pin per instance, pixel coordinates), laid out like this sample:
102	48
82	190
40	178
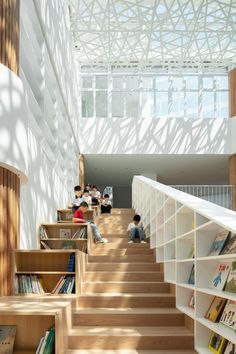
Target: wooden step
124	276
123	243
120	267
128	317
130	338
122	211
125	287
127	351
122	259
121	252
164	300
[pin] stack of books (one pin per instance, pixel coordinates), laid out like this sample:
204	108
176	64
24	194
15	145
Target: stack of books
47	342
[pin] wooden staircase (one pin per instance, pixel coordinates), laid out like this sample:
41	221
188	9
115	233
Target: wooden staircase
125	306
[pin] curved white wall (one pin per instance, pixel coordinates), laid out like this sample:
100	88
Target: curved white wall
13	123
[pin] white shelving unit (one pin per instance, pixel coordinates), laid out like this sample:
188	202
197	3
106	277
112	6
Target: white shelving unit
182	230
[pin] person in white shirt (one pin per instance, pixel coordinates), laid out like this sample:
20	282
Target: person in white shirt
134	228
96	195
78	198
87	198
106	205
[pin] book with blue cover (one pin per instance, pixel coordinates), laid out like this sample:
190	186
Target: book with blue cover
219	243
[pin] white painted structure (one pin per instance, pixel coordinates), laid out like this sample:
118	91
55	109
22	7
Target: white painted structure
175	222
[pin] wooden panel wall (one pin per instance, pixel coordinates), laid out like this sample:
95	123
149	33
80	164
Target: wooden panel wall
232	93
232	177
9	226
81	171
9	34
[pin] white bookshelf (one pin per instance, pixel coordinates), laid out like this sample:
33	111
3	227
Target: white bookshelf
180	222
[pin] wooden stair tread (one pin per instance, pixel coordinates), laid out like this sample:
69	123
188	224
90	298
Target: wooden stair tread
127	351
130	331
127	310
127	295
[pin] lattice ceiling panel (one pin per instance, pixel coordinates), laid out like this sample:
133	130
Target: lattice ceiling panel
154	31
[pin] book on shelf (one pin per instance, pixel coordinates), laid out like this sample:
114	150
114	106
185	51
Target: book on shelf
28	284
231	281
191	253
71	263
45	245
65	233
69	245
43	232
228	317
220	241
47	342
191	279
215	310
80	234
216	343
58	216
7	338
192	301
65	285
221	274
230	246
230	348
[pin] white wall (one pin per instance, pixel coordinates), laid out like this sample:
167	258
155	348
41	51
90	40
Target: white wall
157	136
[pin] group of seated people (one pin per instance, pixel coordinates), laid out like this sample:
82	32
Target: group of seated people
82	201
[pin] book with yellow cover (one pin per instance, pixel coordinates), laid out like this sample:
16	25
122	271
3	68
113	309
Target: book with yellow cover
217	343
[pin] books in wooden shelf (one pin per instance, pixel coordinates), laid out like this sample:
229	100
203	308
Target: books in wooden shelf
65	285
69	245
215	310
28	284
191	279
220	241
7	339
43	232
65	233
80	234
230	246
216	343
230	348
219	279
192	301
47	342
231	281
191	253
45	245
228	317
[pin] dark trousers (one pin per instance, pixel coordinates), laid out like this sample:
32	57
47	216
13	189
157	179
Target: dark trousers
105	209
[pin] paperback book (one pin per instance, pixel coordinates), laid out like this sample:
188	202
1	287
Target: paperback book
231	281
191	253
217	343
230	246
65	233
228	317
220	241
47	342
7	339
215	310
219	279
192	301
191	279
230	348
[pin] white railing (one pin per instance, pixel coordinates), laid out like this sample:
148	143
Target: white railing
176	223
219	194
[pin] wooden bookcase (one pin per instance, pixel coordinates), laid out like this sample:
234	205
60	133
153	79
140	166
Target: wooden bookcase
54	241
50	266
33	318
178	222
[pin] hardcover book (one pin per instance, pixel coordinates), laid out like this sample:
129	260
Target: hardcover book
230	246
230	348
228	317
220	241
217	343
65	233
7	339
231	281
215	310
219	279
191	279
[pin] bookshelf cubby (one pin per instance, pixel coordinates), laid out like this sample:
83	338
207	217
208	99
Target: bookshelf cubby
49	266
66	215
51	237
186	228
30	316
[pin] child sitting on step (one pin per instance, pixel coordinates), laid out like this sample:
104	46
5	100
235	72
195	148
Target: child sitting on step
106	204
134	228
78	217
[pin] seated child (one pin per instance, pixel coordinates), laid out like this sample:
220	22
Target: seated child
78	198
87	198
106	205
134	228
96	195
78	217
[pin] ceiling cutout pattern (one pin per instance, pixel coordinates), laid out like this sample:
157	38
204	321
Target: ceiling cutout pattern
156	32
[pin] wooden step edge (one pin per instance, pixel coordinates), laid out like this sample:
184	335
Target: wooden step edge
127	295
127	311
129	351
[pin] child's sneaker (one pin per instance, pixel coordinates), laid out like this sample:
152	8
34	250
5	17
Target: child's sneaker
143	241
131	241
102	240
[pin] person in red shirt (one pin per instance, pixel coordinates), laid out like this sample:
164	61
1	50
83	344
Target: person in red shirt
78	217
